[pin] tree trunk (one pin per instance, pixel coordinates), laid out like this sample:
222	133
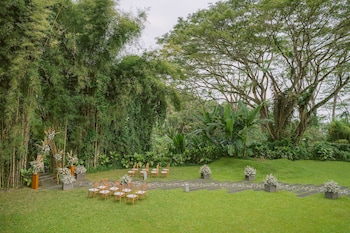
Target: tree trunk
334	106
96	144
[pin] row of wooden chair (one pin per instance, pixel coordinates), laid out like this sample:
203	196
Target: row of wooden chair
129	192
155	172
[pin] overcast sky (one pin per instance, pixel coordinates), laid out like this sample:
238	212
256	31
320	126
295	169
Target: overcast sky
162	15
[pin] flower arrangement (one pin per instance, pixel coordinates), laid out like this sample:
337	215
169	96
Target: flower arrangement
50	134
57	156
63	171
37	166
205	170
72	159
45	148
80	169
331	187
65	175
67	179
249	171
126	179
271	180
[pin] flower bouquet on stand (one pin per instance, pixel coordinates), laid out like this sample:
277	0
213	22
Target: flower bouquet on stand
249	173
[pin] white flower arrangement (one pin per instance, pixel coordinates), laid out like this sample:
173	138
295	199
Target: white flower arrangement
80	169
37	166
205	170
270	180
249	171
50	134
72	159
67	179
46	148
65	175
58	157
126	179
331	187
63	171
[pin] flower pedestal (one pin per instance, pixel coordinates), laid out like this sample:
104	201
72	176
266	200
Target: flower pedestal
270	188
249	178
35	181
72	168
67	186
80	176
331	195
205	176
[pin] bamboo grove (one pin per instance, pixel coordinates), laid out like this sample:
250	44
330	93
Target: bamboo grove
60	69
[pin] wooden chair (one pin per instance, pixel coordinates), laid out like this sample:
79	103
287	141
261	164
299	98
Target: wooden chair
142	192
134	170
104	193
119	194
128	188
115	187
104	184
132	197
155	171
145	170
167	167
136	167
104	189
94	191
165	172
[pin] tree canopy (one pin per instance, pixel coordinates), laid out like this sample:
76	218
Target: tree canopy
294	55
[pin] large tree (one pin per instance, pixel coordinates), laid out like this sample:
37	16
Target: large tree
292	54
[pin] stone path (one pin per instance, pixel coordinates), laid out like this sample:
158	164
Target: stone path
231	187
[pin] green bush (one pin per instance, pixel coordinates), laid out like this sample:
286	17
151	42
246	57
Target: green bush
338	130
26	175
323	151
278	150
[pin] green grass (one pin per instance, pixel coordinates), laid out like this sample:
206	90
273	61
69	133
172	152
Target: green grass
27	210
301	171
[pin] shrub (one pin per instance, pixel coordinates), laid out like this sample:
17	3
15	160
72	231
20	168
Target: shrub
323	151
338	130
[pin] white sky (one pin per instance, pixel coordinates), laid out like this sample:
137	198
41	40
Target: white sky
162	15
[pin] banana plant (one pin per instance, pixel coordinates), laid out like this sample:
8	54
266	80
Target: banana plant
227	126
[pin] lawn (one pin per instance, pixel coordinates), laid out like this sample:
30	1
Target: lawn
27	210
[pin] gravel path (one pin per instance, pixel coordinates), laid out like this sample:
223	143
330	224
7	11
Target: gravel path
199	184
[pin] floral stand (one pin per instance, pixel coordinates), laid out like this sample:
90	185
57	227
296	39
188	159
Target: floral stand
35	181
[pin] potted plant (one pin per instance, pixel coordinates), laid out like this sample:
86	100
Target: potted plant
37	166
126	179
331	189
80	171
270	183
66	178
205	171
249	173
